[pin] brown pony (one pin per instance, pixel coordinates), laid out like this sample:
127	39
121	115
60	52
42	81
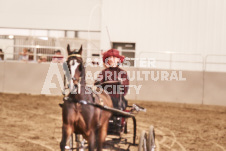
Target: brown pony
90	122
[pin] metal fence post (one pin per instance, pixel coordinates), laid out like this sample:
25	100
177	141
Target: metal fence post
35	54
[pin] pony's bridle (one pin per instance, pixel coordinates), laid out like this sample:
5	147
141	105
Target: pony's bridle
74	55
78	80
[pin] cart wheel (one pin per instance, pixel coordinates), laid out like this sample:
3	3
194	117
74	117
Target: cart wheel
71	142
151	139
143	141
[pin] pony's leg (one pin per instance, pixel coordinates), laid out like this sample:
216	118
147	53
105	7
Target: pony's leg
66	133
102	135
91	140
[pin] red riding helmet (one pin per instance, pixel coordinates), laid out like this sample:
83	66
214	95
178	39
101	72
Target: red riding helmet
114	53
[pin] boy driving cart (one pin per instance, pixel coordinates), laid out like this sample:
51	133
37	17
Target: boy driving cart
114	79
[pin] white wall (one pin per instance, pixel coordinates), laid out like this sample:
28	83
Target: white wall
166	25
154	25
51	14
198	88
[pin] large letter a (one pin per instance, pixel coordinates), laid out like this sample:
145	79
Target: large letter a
53	70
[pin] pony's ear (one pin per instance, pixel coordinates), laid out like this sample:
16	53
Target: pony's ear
68	49
80	50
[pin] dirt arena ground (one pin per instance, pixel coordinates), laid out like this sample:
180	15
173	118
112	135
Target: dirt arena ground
33	123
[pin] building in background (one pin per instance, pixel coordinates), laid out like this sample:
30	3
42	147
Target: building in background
139	28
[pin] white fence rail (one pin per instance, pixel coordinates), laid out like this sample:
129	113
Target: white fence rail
159	60
215	62
176	60
37	51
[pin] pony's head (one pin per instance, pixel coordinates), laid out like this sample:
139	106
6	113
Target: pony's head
74	69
